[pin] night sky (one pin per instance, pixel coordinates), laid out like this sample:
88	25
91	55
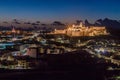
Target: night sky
60	10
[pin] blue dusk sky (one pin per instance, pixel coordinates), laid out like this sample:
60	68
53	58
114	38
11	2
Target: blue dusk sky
60	10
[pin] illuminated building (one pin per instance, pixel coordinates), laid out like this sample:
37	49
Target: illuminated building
13	30
82	30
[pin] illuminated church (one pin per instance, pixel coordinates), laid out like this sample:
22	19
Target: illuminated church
81	30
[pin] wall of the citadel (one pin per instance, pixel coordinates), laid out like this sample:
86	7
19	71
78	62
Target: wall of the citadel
83	31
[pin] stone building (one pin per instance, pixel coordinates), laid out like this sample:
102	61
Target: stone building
82	30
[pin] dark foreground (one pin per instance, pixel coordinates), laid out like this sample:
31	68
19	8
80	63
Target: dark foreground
78	66
51	74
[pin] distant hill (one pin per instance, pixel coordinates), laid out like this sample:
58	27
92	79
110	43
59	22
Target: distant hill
113	26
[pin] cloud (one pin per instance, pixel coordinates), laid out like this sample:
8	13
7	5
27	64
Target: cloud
34	24
27	22
38	22
15	21
57	23
5	22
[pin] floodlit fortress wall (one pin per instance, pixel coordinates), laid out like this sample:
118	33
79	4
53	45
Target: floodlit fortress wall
82	30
